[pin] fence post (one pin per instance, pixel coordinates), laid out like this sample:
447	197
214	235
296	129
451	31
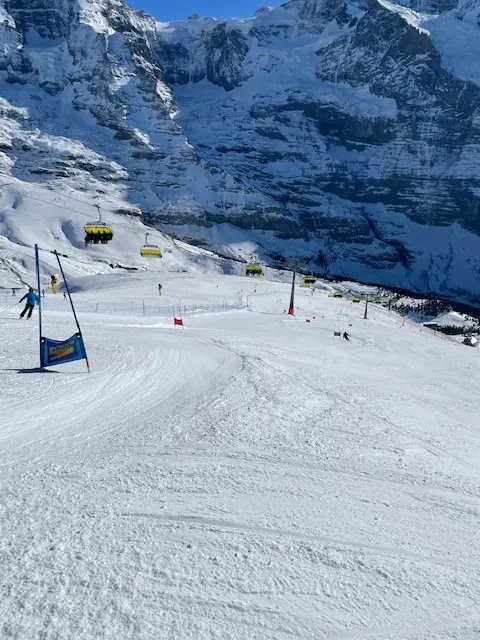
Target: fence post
143	301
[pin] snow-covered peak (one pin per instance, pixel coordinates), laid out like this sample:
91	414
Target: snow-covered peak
413	18
325	10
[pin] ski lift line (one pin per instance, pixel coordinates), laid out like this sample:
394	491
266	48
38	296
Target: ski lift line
27	195
65	207
50	191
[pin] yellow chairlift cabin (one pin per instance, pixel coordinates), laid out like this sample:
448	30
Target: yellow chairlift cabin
98	232
150	249
254	269
309	280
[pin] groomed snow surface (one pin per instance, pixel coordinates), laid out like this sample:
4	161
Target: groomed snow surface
247	477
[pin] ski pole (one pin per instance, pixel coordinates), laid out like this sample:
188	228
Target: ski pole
8	308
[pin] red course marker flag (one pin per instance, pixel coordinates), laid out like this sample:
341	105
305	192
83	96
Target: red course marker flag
178	321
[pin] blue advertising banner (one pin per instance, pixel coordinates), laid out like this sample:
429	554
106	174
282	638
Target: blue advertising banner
59	351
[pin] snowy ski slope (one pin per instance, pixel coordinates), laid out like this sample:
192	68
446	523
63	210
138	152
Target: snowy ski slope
247	477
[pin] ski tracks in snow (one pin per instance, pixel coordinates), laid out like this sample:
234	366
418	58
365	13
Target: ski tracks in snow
69	465
238	480
272	465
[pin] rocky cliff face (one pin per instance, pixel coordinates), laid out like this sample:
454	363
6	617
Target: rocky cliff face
85	108
342	132
347	116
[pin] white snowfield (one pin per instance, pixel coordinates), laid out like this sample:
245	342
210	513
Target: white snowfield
247	477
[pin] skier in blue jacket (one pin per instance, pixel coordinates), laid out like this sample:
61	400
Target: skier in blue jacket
32	300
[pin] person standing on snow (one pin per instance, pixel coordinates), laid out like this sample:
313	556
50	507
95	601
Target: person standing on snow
346	336
32	300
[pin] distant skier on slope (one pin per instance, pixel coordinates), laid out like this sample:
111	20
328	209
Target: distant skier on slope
32	300
346	336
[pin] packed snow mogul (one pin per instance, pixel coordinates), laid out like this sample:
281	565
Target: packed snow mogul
32	300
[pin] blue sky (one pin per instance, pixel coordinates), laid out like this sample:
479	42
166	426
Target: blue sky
179	9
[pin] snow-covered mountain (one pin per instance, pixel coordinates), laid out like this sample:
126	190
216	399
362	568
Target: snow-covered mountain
345	133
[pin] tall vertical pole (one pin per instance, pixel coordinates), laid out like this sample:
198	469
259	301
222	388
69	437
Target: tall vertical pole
291	308
365	316
71	303
68	293
37	267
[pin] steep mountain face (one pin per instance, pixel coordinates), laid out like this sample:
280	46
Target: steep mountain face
345	114
343	132
85	110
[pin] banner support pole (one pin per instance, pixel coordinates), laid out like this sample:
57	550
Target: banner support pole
37	268
71	303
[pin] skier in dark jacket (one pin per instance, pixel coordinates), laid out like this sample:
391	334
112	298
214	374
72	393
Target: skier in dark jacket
32	300
346	336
